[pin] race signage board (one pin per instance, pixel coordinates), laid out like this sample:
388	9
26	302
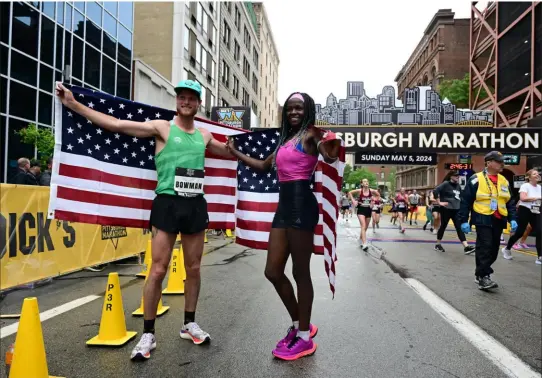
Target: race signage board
511	159
395	158
439	139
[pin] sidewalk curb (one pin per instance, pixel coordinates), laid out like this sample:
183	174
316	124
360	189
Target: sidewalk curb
218	247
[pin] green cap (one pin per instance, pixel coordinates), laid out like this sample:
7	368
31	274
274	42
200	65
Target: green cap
189	84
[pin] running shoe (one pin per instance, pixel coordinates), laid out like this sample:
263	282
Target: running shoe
486	283
523	245
192	331
439	248
378	225
469	249
424	227
365	247
506	253
142	350
402	231
292	333
296	349
502	240
517	246
476	279
538	261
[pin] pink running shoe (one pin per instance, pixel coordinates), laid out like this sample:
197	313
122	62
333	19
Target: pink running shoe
296	349
523	245
517	246
292	333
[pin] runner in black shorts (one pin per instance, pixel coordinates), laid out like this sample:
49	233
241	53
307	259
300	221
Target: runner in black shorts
363	206
180	148
376	207
402	208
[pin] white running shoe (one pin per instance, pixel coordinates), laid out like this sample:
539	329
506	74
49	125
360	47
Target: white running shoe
142	350
507	254
538	261
192	331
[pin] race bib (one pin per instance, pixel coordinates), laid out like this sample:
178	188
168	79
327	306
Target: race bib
535	208
401	205
493	204
188	182
366	202
375	207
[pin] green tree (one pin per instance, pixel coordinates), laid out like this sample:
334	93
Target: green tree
40	137
347	171
457	91
355	177
391	179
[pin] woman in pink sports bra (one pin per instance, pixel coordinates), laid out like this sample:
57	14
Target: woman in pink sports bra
292	230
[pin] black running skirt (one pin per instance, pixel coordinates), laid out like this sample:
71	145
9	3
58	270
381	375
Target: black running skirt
297	208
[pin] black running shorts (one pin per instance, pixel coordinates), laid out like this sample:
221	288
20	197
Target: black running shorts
174	214
365	211
297	208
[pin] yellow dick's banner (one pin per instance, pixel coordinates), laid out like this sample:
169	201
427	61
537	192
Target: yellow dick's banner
33	247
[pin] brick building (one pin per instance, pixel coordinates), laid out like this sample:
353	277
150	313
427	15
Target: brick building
239	72
442	53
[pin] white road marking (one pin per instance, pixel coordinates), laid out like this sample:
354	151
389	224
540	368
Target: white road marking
12	328
505	360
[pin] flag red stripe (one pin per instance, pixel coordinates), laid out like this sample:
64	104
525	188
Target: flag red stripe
220	208
109	178
215	189
103	198
99	219
252	225
220	172
251	243
262	207
221	226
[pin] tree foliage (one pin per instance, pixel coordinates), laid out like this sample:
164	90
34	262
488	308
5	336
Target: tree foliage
355	177
40	137
391	178
457	91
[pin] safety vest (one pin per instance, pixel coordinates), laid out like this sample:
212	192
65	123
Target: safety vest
482	203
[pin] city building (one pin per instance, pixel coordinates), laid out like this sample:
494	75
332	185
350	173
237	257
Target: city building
179	40
82	43
239	66
269	71
506	61
442	53
151	88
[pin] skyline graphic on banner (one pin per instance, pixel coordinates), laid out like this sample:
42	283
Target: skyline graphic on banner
421	106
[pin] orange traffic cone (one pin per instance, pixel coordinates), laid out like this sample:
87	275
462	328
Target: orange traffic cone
147	261
177	274
161	308
29	356
113	324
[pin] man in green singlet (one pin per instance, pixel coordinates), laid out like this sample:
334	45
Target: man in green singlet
179	206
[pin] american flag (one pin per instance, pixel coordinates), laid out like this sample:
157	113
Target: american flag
258	195
108	178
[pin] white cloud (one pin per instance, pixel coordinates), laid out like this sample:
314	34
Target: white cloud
323	46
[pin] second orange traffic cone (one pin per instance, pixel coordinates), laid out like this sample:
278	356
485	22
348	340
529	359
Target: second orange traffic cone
177	274
113	324
29	356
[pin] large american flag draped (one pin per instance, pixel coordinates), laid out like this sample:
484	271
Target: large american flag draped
258	194
109	178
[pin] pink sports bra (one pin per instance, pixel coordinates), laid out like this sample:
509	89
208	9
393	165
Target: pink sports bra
293	163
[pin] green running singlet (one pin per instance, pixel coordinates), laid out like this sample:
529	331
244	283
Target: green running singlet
181	150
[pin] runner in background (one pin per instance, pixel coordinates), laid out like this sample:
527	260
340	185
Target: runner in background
393	209
449	193
345	206
436	211
363	206
413	201
528	213
428	211
402	208
376	208
522	243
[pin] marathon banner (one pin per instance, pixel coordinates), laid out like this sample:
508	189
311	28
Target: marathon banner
440	139
397	158
33	247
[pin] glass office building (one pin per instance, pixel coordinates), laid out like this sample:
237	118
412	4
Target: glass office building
82	43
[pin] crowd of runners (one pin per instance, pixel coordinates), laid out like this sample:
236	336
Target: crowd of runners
442	205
